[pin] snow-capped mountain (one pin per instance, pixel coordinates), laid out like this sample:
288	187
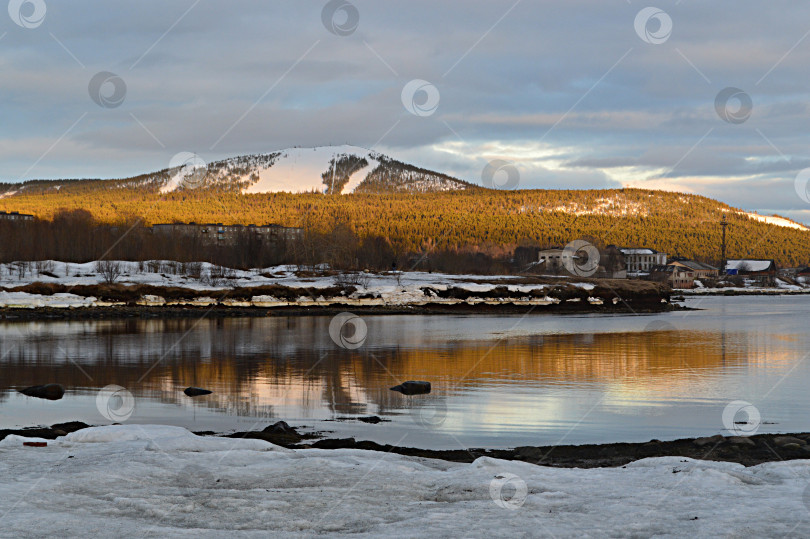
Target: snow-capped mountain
324	169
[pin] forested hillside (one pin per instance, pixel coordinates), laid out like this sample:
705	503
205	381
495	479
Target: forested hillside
477	220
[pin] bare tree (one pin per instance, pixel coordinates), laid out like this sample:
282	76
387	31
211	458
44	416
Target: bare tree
193	269
352	278
109	270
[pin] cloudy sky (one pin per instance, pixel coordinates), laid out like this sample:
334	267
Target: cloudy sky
575	93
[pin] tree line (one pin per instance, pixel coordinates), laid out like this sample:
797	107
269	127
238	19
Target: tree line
485	227
75	236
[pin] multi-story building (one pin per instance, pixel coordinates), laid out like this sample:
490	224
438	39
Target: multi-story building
642	260
557	260
219	233
15	216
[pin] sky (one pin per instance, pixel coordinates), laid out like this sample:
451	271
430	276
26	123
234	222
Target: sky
705	98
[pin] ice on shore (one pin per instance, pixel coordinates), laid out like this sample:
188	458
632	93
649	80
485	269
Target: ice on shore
165	482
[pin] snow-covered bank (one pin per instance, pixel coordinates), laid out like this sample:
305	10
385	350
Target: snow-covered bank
166	482
750	286
172	284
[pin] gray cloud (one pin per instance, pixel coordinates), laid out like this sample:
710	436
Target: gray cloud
567	87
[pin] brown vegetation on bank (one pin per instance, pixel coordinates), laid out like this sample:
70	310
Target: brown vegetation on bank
132	293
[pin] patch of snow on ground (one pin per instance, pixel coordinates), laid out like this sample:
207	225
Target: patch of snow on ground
786	286
31	301
141	480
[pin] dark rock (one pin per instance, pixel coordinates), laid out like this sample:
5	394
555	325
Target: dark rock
279	434
792	447
337	443
280	427
784	441
371	419
716	439
52	392
412	387
740	440
70	426
528	453
29	433
196	391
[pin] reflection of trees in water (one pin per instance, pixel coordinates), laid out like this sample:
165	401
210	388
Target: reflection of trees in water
254	365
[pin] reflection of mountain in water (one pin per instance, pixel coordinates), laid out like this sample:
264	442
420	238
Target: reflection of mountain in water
289	366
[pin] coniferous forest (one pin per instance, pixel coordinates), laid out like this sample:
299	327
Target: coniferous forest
475	224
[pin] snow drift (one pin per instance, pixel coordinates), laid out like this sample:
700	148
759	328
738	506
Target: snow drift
149	480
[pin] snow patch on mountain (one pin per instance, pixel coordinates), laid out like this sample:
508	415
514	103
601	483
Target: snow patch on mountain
324	169
300	170
775	220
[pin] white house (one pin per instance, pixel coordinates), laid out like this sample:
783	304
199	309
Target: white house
555	259
642	260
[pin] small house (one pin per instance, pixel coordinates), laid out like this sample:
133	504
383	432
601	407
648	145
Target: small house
553	261
762	271
701	270
676	276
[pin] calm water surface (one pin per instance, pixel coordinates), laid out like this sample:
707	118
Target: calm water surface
498	381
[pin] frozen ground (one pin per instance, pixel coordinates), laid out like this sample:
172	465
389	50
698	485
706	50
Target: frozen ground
168	273
158	481
751	286
392	288
389	288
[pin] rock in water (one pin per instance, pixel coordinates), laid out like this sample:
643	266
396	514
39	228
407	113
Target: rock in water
280	427
196	391
412	387
371	419
52	392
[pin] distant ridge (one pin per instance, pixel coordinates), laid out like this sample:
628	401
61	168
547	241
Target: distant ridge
343	169
323	169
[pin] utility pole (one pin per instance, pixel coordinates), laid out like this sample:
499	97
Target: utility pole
723	224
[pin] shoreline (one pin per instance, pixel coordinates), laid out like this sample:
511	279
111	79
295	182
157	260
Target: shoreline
744	450
739	292
174	312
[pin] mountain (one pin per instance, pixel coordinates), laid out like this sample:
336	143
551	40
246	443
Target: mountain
412	209
329	170
324	169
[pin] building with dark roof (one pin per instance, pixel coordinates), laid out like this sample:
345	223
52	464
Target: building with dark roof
15	216
640	260
677	276
700	269
213	233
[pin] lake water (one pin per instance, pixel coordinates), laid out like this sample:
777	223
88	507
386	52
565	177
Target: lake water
498	381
